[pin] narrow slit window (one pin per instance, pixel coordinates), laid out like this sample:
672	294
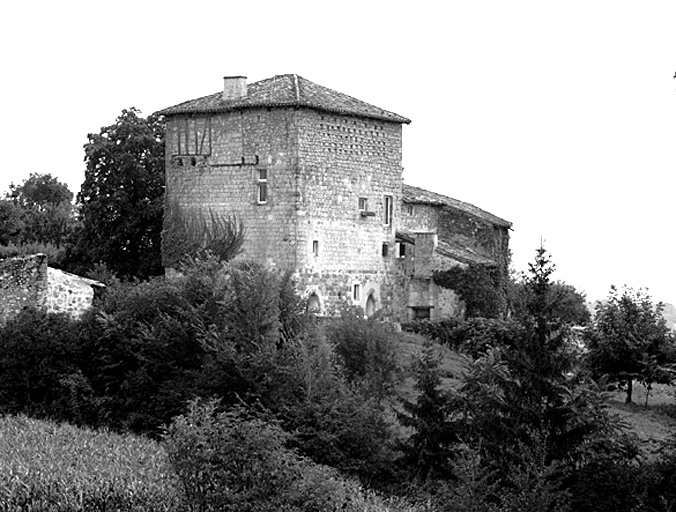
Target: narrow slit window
262	186
356	291
363	204
386	249
387	213
315	248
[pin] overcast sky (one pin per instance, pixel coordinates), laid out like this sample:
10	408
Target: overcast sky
557	116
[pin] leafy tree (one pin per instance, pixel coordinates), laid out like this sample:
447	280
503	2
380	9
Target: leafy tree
630	340
44	206
11	223
121	199
566	303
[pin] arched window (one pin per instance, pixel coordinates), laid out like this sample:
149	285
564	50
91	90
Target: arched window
370	305
313	304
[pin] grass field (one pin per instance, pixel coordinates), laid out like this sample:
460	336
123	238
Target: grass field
652	424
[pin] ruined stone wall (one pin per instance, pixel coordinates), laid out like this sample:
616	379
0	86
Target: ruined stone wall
343	159
231	149
23	282
67	293
29	282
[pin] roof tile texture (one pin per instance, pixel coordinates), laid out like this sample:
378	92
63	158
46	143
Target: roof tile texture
287	91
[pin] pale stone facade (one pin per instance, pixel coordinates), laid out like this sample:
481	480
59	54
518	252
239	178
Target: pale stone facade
29	282
316	177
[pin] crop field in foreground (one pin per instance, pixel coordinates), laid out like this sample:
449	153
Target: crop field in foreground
48	466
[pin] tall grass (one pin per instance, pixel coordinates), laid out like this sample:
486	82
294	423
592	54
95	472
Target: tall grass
47	466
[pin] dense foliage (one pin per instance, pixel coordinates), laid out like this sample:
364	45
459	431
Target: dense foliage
121	199
482	288
307	408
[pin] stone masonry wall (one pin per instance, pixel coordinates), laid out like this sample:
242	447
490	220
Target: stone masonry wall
67	293
23	282
343	159
29	282
235	146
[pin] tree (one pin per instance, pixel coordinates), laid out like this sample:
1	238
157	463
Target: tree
10	222
121	199
630	340
45	208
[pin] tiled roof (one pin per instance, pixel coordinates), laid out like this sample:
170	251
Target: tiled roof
463	254
412	194
286	91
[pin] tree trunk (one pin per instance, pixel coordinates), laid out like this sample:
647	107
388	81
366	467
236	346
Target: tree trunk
629	390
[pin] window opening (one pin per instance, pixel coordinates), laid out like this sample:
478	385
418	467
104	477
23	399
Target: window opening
315	247
386	249
262	186
388	210
356	291
313	304
421	313
363	204
370	305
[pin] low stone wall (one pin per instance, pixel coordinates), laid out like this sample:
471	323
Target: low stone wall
29	282
23	283
68	293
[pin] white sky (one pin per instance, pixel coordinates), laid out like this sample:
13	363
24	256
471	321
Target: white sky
557	116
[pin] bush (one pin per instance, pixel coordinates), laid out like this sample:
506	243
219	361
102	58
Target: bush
60	468
473	336
235	461
38	355
367	352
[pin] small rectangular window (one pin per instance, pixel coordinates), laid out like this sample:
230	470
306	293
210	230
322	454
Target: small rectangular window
399	250
356	291
386	249
387	213
262	186
409	209
315	247
363	204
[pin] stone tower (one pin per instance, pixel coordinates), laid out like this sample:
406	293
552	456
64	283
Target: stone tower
314	174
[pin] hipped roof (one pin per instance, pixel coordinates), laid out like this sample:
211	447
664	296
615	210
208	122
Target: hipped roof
286	91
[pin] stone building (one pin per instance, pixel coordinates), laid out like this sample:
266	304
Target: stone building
316	177
29	282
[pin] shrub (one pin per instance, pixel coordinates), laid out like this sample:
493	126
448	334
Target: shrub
473	336
61	468
235	461
38	352
367	351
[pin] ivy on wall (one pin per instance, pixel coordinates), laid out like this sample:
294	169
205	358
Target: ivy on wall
481	288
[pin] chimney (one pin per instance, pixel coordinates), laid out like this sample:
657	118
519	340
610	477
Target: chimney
234	88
